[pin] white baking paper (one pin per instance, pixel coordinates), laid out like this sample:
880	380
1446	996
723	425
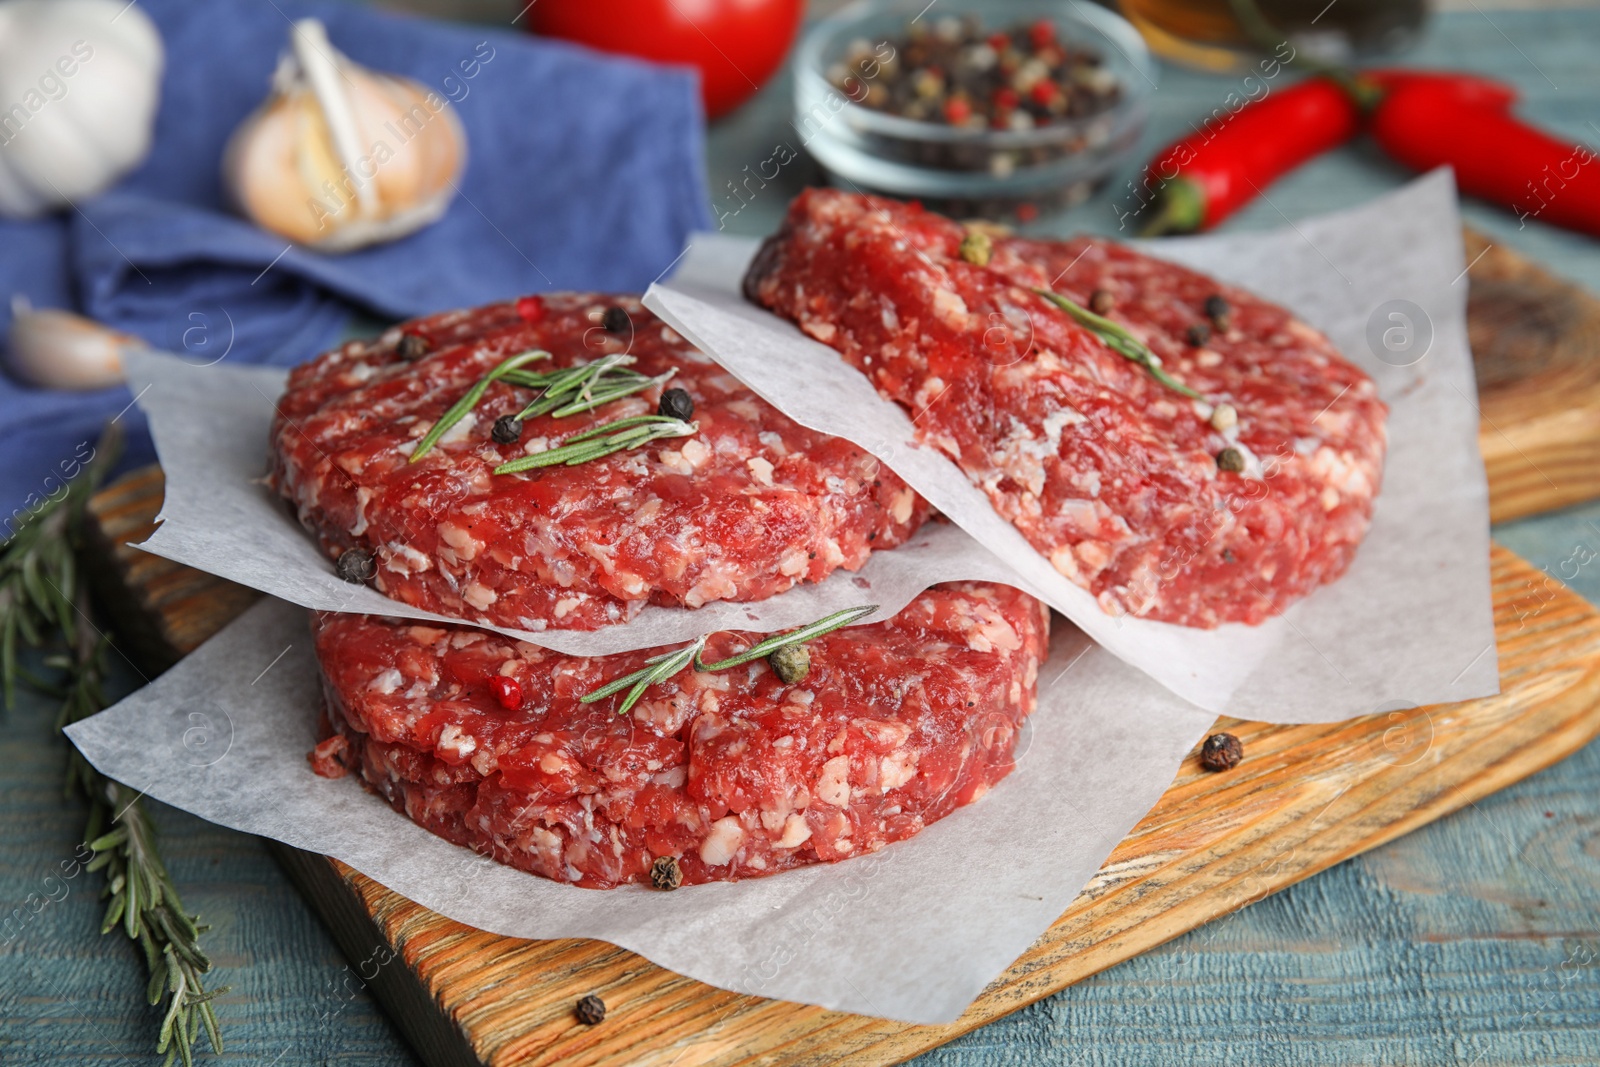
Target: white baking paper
1412	620
913	932
211	423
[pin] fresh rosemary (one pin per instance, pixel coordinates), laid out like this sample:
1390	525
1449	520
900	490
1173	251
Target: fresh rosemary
565	392
459	409
793	637
44	601
585	387
1119	340
657	669
602	440
660	668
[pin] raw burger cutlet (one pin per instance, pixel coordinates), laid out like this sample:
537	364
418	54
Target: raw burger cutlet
1110	474
733	773
745	508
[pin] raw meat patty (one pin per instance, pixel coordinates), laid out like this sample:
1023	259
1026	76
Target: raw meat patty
747	507
733	773
1110	474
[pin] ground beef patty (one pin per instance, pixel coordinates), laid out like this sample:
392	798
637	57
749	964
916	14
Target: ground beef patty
1109	473
733	773
747	507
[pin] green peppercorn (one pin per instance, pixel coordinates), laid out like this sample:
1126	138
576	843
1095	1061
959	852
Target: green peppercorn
791	663
976	248
1230	459
356	565
665	874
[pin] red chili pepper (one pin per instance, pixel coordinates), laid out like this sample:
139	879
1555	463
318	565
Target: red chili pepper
507	691
1494	154
1468	88
1202	179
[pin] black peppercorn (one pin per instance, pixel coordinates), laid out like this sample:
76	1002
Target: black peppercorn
615	320
412	347
1199	334
1230	459
591	1010
1221	752
356	566
665	874
1217	310
791	663
1101	301
676	404
507	430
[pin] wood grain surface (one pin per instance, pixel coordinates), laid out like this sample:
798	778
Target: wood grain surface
1305	798
1534	338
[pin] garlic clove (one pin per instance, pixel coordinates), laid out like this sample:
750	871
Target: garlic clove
59	350
93	121
338	156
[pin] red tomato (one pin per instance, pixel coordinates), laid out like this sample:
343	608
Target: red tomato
736	44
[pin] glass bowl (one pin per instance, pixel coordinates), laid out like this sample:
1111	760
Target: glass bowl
958	170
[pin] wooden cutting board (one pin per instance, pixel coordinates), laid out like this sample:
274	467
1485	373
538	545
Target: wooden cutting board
1536	343
1306	797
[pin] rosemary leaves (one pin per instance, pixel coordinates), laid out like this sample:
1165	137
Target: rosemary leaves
660	668
602	440
656	669
1120	341
793	637
44	601
561	394
459	409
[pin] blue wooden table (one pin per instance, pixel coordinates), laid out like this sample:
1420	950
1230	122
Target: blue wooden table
1475	941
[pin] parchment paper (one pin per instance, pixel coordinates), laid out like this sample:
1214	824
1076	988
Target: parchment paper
210	425
1411	622
913	932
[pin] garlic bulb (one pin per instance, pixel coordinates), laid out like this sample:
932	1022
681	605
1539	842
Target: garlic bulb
79	83
60	350
339	156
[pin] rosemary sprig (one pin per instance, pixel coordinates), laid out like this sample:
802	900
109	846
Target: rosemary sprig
562	393
660	668
587	386
657	669
459	409
602	440
794	637
44	600
1119	340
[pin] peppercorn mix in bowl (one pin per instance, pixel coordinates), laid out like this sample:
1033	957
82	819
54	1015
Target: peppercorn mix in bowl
1012	108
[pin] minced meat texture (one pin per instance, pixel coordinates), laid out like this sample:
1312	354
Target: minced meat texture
745	508
1120	481
733	773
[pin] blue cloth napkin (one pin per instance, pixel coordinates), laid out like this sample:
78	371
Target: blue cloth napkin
583	172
